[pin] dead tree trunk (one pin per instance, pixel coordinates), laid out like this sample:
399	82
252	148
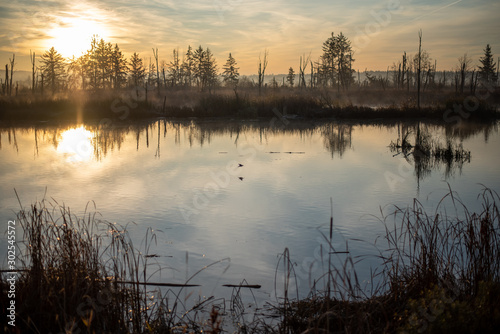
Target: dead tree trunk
155	54
419	66
41	88
403	71
302	68
262	70
6	86
12	61
32	58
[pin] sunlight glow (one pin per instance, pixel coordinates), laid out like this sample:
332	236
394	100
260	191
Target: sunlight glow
76	145
72	36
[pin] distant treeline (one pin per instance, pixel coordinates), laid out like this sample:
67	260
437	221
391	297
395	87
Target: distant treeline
104	67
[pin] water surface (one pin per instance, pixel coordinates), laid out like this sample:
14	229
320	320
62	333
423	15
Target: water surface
245	191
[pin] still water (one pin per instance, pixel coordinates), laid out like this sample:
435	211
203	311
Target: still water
242	192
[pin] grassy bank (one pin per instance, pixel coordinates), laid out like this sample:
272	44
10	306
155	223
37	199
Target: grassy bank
245	103
440	274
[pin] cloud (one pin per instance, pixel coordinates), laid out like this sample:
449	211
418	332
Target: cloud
288	29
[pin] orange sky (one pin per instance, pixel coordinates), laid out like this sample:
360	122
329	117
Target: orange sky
380	31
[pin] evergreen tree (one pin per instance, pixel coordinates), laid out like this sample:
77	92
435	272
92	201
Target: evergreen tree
151	79
98	66
487	71
76	76
53	69
137	71
205	68
102	54
187	67
174	69
230	74
290	77
210	69
198	60
118	67
336	61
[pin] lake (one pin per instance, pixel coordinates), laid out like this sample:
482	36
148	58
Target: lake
230	196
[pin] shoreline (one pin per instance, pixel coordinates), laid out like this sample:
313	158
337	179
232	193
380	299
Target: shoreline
281	105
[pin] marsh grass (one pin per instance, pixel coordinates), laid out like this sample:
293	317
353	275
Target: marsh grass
84	275
245	103
439	273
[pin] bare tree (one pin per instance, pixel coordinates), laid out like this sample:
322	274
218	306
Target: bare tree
464	65
312	74
302	67
12	63
33	61
403	69
419	66
262	69
155	54
6	85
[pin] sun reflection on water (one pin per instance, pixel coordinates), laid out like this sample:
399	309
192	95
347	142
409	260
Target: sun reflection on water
76	145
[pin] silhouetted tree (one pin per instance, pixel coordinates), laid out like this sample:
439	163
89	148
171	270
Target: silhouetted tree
137	72
101	54
205	68
118	67
151	76
329	60
419	66
262	70
188	67
198	59
312	74
400	69
164	69
5	86
290	77
12	63
53	69
155	54
33	70
302	68
76	73
174	69
427	69
336	61
230	73
210	69
487	70
464	64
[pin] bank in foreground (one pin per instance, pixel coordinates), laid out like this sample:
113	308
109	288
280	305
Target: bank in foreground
441	274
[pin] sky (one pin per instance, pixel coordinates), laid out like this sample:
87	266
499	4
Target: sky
380	31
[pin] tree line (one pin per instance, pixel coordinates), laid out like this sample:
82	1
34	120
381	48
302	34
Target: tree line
405	73
104	66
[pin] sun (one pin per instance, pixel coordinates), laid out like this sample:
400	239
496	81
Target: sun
76	145
72	36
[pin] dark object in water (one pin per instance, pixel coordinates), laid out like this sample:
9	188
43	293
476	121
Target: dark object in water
250	286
